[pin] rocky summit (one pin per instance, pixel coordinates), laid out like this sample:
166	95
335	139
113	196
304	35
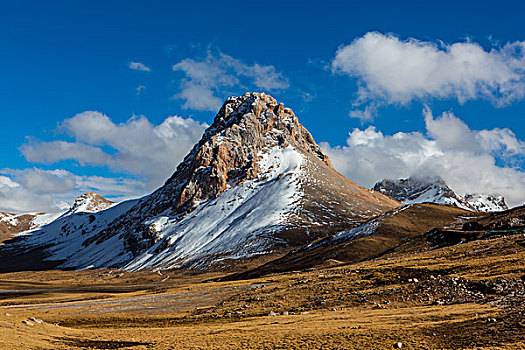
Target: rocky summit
255	183
90	202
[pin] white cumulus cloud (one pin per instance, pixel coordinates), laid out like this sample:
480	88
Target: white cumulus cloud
139	66
137	147
470	161
395	71
204	79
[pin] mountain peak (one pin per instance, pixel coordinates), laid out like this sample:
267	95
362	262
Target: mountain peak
255	179
236	108
90	202
231	148
415	189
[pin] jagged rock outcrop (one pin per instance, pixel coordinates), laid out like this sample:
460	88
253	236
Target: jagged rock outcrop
486	203
229	152
256	181
435	190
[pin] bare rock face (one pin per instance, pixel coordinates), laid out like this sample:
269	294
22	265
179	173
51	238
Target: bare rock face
228	153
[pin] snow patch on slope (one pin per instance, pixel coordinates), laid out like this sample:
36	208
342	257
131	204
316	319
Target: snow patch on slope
236	224
361	231
369	227
65	237
44	219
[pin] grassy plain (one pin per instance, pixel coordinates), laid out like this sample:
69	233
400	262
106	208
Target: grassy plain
467	296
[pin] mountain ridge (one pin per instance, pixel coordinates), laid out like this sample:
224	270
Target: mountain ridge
435	190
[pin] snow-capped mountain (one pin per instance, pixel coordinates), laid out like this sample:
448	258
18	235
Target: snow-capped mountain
10	224
486	203
435	190
255	182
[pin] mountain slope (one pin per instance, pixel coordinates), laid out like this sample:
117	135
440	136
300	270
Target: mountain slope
255	182
15	223
373	238
435	190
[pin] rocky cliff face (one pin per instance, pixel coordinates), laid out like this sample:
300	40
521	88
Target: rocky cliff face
435	190
256	181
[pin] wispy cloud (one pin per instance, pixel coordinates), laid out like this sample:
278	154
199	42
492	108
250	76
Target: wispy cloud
394	71
139	66
470	161
201	89
139	89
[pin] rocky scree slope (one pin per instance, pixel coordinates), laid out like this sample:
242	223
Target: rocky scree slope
435	190
255	182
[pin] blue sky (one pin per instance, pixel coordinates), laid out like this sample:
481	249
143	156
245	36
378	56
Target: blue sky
62	61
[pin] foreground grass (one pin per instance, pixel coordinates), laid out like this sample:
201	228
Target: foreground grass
468	296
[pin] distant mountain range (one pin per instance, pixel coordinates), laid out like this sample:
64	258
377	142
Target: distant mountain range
435	190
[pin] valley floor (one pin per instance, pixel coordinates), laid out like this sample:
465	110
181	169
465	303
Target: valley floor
467	296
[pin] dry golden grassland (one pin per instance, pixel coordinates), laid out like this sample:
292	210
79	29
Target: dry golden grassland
468	296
